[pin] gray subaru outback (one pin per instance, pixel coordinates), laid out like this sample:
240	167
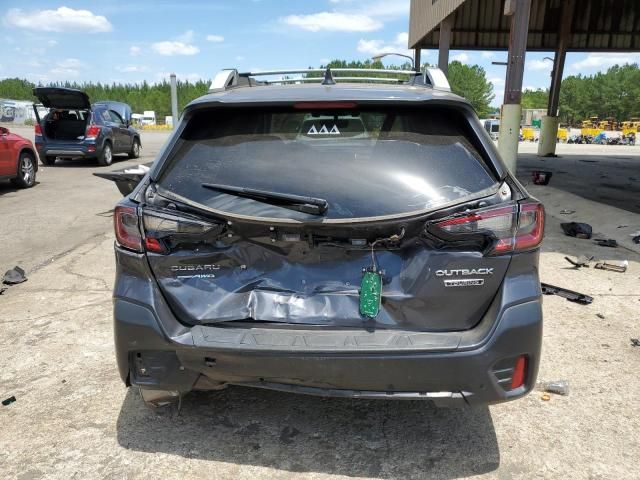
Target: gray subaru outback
334	234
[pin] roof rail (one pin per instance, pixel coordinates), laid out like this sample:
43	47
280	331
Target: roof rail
230	78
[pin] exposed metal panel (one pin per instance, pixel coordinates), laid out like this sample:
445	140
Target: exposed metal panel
597	25
426	15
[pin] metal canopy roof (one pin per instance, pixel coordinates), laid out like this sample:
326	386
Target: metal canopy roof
597	25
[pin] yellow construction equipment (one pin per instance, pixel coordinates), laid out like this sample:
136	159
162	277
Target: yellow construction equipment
528	134
631	126
590	127
563	134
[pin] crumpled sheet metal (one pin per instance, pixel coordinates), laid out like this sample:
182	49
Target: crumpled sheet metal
321	286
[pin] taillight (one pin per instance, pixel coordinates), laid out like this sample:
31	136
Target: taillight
37	129
158	226
515	228
324	105
125	220
92	131
530	226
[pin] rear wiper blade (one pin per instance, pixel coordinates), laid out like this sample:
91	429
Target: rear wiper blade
311	205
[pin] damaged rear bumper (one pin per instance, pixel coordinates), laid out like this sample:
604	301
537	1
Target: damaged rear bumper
446	368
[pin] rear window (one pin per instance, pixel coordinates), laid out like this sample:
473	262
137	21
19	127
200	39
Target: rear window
366	163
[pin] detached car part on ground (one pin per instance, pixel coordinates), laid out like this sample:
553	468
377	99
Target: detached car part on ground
18	159
74	128
395	259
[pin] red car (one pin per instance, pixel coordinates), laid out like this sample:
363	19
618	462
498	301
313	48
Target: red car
18	159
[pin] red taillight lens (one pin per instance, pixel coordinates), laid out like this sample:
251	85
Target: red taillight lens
530	226
516	227
154	245
519	372
324	105
37	129
92	131
125	220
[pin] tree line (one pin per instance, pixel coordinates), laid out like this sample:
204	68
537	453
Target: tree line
611	94
614	93
140	96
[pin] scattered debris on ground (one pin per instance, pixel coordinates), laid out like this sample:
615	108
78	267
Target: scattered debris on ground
581	261
8	401
567	212
546	397
606	242
613	265
570	295
635	342
541	177
14	276
599	315
559	387
577	229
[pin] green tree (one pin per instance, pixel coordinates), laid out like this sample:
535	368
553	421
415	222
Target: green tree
470	82
535	98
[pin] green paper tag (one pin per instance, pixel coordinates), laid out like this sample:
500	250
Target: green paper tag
370	294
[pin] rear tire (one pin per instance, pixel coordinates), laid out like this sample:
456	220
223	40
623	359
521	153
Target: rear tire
48	160
106	158
26	171
135	149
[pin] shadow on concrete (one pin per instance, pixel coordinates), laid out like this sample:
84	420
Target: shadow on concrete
356	438
607	179
7	187
87	162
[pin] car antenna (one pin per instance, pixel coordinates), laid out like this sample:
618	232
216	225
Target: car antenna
328	77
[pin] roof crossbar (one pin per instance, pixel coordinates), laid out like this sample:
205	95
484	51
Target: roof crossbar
231	78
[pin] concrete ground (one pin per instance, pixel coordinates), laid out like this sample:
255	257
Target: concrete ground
611	172
74	419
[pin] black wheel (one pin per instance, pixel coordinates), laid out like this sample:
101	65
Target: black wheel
26	171
48	160
135	149
107	155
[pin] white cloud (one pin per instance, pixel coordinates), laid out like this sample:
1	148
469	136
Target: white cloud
602	61
69	67
170	48
363	18
186	37
63	19
134	51
333	22
539	65
215	38
460	57
377	47
52	43
487	55
497	81
70	63
131	68
240	58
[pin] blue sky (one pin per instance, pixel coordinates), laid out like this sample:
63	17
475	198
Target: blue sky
135	40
